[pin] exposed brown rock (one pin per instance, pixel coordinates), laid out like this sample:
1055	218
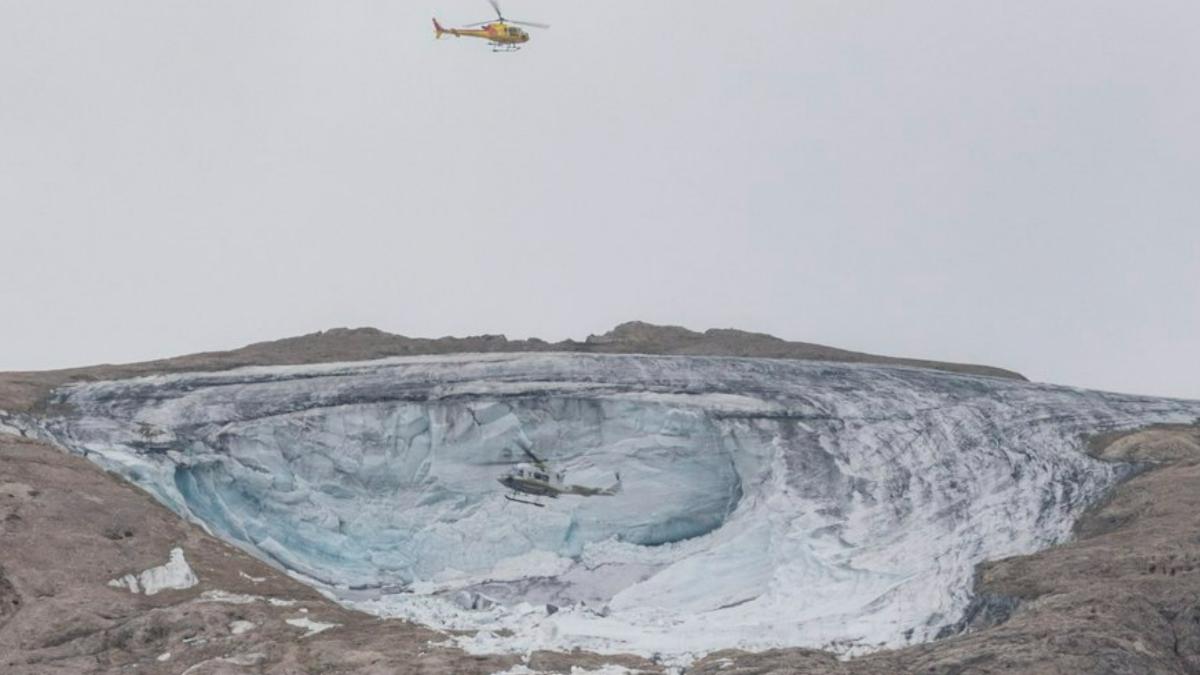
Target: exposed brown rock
10	600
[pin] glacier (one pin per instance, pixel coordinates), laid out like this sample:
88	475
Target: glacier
765	503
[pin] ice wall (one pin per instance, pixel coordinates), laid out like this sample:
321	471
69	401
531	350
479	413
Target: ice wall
764	503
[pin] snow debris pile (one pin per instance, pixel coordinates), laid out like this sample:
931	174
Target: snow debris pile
607	669
313	627
764	503
228	598
11	424
175	575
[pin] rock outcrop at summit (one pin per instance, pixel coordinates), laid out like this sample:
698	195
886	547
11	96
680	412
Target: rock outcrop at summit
22	391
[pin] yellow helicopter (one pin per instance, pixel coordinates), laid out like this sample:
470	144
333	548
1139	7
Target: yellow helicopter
502	33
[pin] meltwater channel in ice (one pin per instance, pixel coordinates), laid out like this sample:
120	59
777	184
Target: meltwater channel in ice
763	503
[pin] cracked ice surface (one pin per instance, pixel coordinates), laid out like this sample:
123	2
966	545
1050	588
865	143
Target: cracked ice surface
765	503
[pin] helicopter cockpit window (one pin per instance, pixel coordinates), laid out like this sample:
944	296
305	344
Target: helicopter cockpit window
540	476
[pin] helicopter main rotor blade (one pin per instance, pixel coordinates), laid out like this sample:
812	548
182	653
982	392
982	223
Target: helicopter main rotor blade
496	6
536	460
530	24
479	23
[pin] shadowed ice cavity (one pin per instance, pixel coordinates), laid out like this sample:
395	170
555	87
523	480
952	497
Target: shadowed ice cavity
392	493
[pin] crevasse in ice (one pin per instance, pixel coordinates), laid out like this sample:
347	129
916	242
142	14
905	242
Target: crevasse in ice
763	503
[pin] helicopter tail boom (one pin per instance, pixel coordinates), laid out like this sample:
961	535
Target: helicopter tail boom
615	489
583	491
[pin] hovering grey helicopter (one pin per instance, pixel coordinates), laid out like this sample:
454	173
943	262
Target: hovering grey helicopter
535	479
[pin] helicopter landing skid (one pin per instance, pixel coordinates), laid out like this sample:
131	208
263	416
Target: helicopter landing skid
524	501
496	49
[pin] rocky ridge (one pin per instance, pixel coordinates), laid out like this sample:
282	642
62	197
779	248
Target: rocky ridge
21	391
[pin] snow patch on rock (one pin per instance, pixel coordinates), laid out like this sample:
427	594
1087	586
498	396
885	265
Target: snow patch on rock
176	574
606	669
13	424
253	659
228	598
313	627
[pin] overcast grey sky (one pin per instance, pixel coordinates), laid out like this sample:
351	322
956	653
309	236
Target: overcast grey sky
1012	182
